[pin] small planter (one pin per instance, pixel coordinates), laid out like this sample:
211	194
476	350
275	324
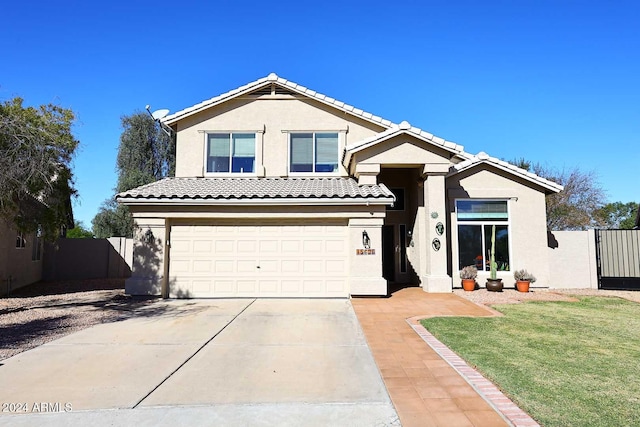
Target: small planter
494	285
469	284
523	285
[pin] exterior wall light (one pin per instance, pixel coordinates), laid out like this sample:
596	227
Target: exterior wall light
366	242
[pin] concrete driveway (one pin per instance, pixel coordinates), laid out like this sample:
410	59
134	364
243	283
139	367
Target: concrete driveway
204	362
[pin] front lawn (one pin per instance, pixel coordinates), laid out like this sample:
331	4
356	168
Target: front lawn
564	363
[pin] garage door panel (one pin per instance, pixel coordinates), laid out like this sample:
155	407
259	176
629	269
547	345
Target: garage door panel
312	246
223	246
246	266
291	287
247	246
269	246
180	266
272	259
247	286
290	246
223	267
290	266
202	266
313	287
202	246
268	287
269	266
224	287
312	266
180	246
201	286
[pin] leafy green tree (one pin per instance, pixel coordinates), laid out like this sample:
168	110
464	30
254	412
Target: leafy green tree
146	154
576	207
36	181
618	215
79	231
112	220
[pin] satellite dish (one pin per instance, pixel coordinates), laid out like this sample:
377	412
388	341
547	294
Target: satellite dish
160	114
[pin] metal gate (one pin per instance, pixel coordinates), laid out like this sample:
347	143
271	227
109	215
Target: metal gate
618	259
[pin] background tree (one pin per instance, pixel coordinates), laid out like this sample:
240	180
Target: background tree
36	181
577	207
145	154
79	231
618	215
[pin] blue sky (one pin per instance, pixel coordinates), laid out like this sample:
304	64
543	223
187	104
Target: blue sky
555	82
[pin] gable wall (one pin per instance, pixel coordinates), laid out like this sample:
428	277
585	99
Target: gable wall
275	115
527	215
402	150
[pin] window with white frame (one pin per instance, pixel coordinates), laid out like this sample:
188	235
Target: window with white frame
314	152
476	219
231	153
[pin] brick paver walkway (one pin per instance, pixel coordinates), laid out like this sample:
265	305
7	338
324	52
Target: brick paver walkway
424	387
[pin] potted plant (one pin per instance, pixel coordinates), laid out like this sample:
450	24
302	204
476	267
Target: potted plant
494	284
523	280
468	275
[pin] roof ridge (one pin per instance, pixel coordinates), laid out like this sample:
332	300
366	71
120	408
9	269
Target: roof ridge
274	78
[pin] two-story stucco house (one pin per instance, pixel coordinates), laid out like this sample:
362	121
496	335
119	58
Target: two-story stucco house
281	191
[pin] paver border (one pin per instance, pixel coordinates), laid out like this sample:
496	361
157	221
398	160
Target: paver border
485	388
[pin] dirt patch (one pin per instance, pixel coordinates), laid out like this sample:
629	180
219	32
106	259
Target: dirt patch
46	311
511	296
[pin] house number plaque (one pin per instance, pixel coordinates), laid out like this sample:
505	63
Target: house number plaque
439	228
365	251
436	244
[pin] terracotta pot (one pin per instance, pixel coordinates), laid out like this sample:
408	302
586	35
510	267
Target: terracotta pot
522	285
494	285
469	284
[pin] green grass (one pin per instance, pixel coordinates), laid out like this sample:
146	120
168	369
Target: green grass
564	363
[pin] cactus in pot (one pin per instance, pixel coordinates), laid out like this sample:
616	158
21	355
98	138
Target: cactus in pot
493	283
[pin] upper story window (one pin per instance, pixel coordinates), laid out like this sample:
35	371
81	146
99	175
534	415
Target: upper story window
476	219
231	153
313	152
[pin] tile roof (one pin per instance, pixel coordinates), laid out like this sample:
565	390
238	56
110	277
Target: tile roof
265	81
234	189
483	157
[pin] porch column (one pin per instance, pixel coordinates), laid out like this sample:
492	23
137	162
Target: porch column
435	278
365	270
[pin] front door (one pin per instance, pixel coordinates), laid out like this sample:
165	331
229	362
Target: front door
394	253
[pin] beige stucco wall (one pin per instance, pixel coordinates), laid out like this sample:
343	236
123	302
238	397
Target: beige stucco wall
527	220
402	151
272	117
16	266
572	259
148	256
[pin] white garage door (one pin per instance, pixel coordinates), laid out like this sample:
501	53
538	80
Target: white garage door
259	260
